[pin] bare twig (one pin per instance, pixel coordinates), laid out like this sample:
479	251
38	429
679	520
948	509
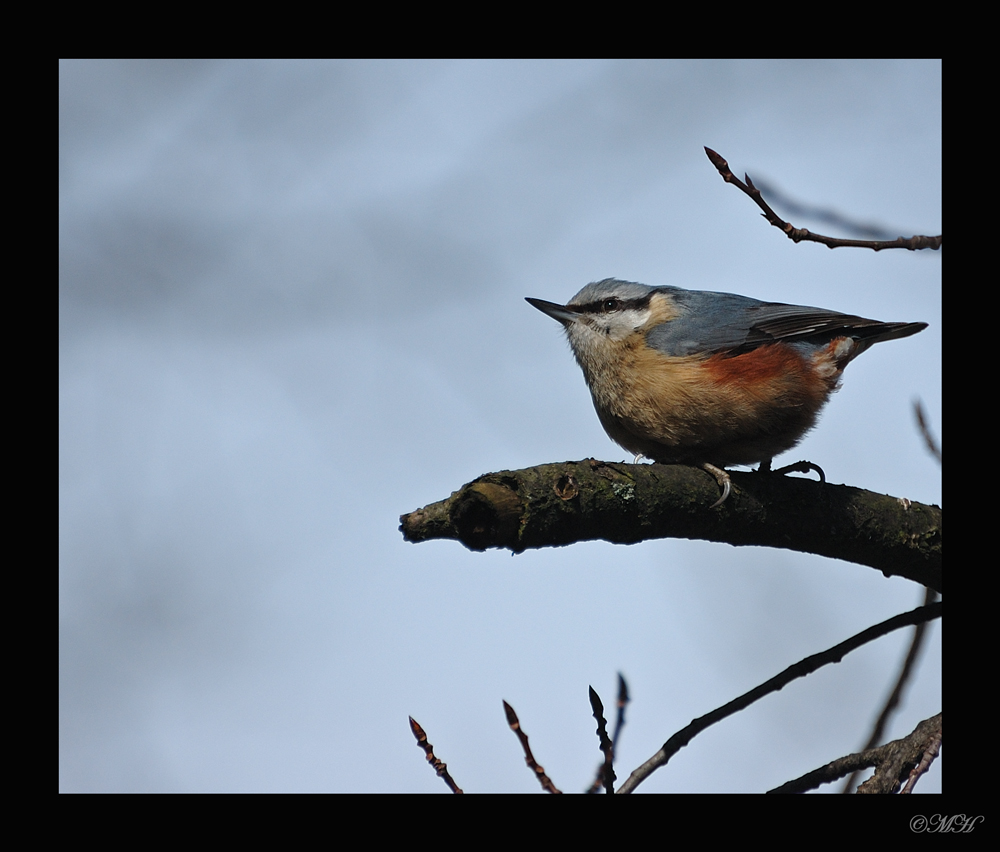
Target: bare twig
799	669
930	753
607	771
620	702
893	700
439	766
800	234
908	757
925	430
529	758
789	205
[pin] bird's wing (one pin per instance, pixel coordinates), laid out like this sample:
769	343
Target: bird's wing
724	322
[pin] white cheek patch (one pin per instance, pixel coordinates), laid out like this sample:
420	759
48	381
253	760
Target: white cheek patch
615	326
623	324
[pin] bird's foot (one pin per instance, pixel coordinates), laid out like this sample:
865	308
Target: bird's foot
725	483
797	467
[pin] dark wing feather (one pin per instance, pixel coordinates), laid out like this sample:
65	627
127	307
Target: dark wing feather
724	322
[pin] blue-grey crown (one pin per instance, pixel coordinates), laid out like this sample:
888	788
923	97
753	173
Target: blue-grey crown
611	287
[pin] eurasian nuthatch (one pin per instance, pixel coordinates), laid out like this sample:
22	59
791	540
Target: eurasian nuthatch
711	379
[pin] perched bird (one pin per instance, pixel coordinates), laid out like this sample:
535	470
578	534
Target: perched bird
709	379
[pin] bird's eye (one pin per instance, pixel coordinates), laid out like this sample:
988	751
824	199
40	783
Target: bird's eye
609	305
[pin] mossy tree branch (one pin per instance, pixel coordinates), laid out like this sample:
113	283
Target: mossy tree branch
559	504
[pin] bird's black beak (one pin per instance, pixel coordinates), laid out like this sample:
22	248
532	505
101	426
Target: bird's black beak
562	313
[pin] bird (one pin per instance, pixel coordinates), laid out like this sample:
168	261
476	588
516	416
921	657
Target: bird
709	379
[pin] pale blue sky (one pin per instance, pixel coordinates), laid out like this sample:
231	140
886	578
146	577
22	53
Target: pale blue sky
291	309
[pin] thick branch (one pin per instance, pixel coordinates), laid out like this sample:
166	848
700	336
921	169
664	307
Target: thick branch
560	504
896	761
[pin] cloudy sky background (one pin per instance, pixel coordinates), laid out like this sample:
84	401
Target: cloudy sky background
291	309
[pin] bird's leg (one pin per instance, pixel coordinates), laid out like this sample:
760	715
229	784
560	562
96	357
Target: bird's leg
725	483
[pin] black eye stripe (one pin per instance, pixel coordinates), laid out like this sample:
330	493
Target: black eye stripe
612	304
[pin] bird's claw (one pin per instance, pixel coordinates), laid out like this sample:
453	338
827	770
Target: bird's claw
800	467
725	483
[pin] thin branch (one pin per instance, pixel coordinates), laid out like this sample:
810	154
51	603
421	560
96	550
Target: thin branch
789	205
802	234
620	702
929	755
529	758
925	430
439	766
906	758
558	504
892	702
799	669
607	771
